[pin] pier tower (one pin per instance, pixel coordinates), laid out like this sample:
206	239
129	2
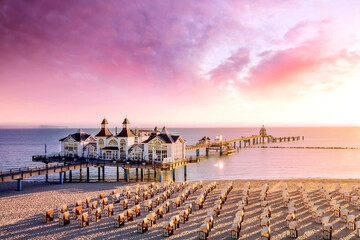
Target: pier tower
102	137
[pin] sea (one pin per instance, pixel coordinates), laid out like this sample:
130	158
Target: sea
325	152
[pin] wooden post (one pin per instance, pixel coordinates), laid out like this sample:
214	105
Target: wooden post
61	178
197	152
103	173
142	174
173	173
221	150
160	176
47	175
80	174
99	173
88	174
65	176
126	172
207	151
117	174
19	185
155	174
70	175
185	173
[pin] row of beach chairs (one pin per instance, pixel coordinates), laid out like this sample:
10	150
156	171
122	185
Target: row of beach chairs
90	208
199	202
265	215
174	222
157	213
239	215
208	223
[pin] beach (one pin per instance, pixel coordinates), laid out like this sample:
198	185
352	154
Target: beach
21	212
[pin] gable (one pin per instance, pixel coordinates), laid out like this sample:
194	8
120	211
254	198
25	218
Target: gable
69	139
180	140
156	140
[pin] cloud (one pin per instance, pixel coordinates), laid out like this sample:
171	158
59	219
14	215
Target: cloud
231	67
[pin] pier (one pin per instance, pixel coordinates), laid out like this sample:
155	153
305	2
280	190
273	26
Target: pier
232	145
66	164
69	164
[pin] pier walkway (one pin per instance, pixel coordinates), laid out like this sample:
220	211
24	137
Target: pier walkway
231	144
67	164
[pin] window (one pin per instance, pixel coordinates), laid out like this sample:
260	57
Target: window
101	143
157	151
113	142
122	148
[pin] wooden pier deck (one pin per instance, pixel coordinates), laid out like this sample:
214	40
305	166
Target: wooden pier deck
254	139
67	164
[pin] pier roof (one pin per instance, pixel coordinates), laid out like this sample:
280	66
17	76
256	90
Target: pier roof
104	132
126	132
78	136
167	138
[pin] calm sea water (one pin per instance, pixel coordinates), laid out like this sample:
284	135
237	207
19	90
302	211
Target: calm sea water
18	145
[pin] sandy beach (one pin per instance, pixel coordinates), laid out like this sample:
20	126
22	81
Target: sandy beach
21	212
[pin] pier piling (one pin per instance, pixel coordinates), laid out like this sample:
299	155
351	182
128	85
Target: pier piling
185	173
103	173
70	175
46	175
99	174
126	172
160	176
117	173
173	173
142	174
19	185
88	174
61	181
80	174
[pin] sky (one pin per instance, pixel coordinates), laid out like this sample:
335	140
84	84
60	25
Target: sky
220	63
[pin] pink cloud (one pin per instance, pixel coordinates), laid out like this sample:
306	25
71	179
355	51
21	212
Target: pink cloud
230	68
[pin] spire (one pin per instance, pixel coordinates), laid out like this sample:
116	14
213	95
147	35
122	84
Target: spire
104	121
126	132
164	131
104	132
263	131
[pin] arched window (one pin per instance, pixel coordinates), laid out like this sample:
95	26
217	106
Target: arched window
122	145
113	142
101	143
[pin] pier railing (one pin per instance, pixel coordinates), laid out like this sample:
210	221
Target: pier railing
64	164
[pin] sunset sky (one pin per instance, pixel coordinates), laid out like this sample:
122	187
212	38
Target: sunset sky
179	63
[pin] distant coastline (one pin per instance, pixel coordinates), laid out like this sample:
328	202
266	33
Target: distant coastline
52	126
